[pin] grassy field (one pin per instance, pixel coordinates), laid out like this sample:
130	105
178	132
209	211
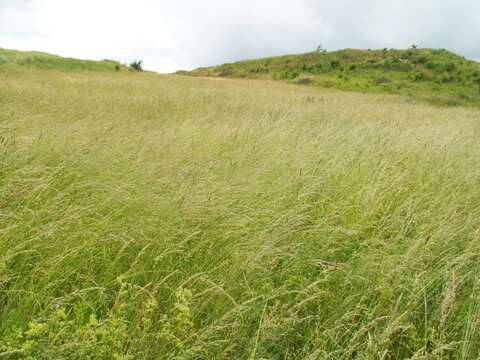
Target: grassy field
147	216
436	76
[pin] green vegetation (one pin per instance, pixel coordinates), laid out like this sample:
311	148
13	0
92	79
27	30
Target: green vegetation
147	216
52	62
136	65
436	76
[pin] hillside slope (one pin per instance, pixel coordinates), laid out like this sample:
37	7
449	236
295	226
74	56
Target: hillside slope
145	216
437	76
13	58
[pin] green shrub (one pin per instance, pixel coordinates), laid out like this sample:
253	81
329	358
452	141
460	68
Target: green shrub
335	64
136	65
290	74
319	67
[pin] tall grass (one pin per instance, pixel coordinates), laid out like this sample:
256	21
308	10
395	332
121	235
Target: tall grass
163	217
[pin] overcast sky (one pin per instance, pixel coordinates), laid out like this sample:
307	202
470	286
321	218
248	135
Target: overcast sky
182	34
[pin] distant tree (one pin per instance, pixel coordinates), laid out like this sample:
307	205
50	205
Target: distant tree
414	46
136	65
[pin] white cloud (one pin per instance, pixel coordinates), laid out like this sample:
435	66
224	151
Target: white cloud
174	34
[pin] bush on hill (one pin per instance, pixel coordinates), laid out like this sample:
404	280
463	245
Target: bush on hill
136	65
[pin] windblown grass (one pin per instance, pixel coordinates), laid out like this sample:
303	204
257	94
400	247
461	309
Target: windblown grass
162	217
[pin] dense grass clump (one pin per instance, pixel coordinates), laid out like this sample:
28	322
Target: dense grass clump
436	76
165	217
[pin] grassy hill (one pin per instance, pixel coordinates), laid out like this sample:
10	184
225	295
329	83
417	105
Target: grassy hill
436	76
52	62
147	216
